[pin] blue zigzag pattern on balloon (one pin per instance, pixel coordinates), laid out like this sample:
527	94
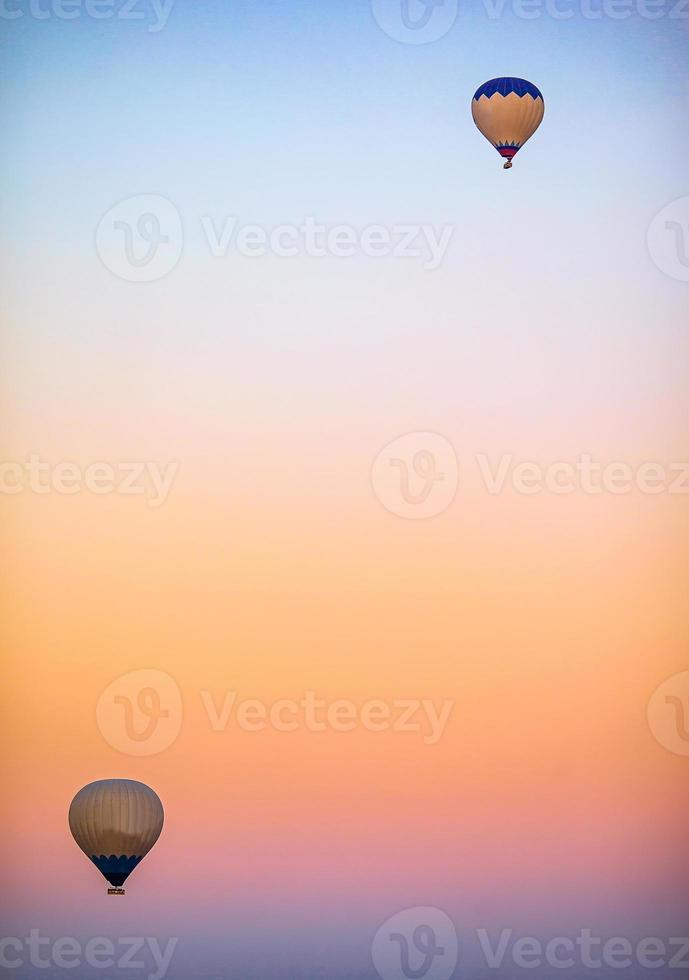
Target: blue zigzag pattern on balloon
116	869
503	86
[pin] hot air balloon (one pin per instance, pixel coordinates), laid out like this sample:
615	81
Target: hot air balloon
116	822
507	111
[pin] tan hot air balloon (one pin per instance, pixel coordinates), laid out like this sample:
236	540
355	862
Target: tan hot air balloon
508	111
116	822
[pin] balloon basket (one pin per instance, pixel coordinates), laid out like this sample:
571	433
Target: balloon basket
115	891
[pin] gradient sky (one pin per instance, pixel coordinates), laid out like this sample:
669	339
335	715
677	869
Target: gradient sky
272	568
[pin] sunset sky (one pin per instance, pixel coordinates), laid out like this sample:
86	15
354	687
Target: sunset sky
272	567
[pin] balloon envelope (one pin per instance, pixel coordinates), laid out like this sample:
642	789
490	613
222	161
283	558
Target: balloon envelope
508	111
116	822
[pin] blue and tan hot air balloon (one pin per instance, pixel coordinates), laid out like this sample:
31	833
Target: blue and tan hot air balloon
116	822
508	111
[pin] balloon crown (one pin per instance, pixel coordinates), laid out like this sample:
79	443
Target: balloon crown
503	86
